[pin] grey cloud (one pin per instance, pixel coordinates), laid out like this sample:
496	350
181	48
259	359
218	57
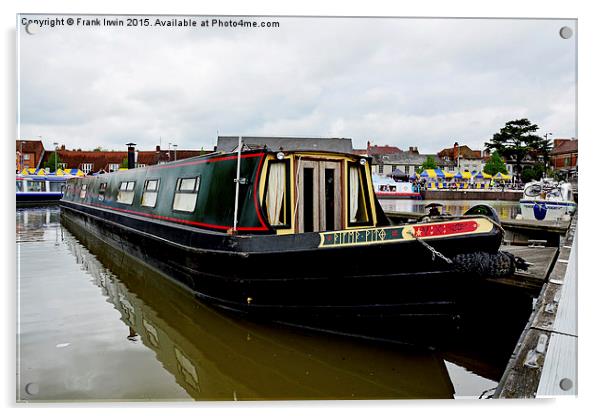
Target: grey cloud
426	82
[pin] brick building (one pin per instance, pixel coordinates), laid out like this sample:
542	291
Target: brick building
29	154
464	158
110	161
563	157
386	159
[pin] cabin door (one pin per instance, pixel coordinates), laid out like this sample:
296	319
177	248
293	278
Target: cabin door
319	193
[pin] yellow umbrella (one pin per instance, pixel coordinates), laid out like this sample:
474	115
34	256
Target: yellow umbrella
502	176
464	175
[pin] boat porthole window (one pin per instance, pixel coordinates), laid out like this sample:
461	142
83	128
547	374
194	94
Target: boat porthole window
126	192
149	196
186	194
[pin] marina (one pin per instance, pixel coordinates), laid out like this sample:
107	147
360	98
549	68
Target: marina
387	290
180	349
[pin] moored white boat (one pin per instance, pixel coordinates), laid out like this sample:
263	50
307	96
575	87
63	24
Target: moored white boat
547	201
39	189
386	187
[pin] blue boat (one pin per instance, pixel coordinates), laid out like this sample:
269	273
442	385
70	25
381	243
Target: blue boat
39	189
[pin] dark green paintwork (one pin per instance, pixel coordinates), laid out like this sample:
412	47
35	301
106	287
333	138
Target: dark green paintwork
215	201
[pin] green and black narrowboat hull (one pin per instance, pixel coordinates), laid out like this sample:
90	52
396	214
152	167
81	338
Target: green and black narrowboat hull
355	287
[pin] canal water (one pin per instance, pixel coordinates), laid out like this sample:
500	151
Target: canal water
95	324
505	209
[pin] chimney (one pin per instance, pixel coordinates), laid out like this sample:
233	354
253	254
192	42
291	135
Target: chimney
131	155
158	149
62	147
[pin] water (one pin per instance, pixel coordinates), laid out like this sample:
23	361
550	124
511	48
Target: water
95	324
505	209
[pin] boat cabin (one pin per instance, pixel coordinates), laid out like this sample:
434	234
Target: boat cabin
40	184
277	192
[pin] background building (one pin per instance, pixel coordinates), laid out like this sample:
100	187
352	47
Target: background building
29	154
563	157
463	158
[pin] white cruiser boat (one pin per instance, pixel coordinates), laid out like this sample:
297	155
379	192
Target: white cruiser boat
547	201
386	187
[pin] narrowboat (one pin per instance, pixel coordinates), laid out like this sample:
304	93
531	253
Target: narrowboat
296	237
35	190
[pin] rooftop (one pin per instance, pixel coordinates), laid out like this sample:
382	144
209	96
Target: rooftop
564	146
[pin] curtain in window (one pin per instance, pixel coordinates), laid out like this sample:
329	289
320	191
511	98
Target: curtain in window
275	196
354	184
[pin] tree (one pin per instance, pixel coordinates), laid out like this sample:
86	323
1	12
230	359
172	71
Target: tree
533	173
495	164
544	148
54	161
429	163
124	163
515	141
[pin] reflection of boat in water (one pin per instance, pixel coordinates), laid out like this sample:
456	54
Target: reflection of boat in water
547	200
215	357
34	190
310	244
387	187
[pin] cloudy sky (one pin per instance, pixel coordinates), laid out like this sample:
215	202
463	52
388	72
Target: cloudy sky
403	82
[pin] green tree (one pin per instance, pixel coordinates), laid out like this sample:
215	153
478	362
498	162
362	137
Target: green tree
53	160
429	163
544	148
124	163
533	173
515	141
495	164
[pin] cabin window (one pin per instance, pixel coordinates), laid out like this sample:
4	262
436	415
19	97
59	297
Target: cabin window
358	201
126	192
101	191
19	186
276	201
82	192
186	193
149	196
56	186
36	186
